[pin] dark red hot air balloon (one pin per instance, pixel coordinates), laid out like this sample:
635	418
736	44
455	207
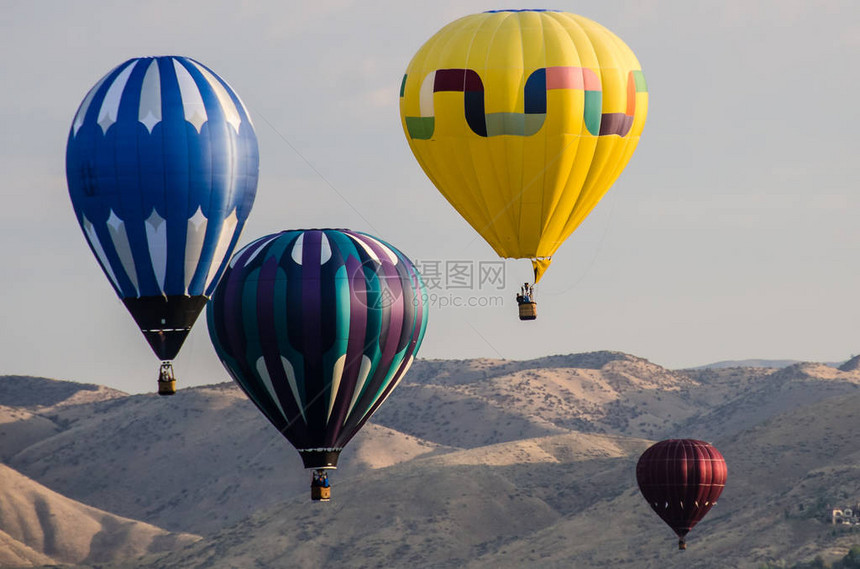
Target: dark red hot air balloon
681	479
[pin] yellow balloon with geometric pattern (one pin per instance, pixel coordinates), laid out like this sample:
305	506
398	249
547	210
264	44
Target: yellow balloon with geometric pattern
523	119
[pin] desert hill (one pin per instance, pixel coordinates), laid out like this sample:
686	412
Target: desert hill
13	553
736	398
782	476
198	461
20	428
601	392
41	527
439	511
29	406
564	501
474	463
851	365
42	393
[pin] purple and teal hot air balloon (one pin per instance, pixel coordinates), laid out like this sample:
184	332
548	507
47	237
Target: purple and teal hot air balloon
318	327
162	167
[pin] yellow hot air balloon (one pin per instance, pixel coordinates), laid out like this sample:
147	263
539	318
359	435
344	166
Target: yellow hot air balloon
523	119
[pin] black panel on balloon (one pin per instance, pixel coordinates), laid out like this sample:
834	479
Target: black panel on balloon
319	458
165	320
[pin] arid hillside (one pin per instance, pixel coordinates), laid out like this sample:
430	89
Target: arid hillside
474	464
564	501
40	527
197	462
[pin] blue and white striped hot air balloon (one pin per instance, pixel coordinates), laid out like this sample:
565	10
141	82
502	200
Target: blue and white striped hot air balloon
162	167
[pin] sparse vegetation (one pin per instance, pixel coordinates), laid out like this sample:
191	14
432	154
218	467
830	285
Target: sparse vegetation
850	561
473	459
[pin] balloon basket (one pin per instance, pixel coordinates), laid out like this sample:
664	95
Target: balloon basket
682	545
166	381
320	494
528	310
320	487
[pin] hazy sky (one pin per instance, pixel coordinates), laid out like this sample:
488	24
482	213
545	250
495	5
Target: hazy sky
733	232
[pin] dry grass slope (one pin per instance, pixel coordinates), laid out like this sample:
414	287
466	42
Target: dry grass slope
438	511
471	464
40	526
493	401
199	461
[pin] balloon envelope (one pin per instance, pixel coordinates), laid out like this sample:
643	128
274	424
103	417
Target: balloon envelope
318	327
162	166
523	120
681	479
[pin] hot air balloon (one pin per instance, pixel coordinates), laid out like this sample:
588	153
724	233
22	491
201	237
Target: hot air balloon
681	479
318	327
162	166
523	119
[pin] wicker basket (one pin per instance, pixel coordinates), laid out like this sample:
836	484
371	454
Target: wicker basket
528	310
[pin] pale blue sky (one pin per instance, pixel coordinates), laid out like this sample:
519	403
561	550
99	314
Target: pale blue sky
732	233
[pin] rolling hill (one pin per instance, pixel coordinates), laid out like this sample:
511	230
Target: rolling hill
473	464
41	527
197	461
